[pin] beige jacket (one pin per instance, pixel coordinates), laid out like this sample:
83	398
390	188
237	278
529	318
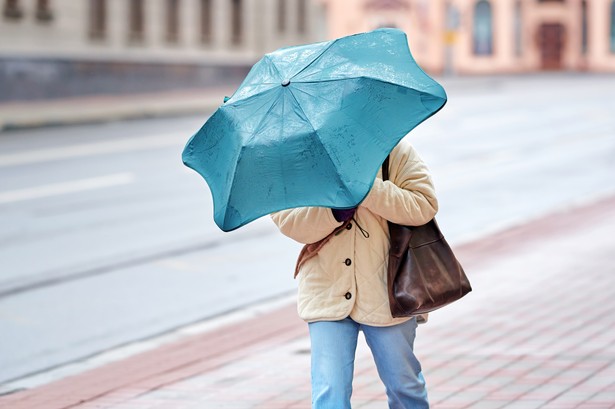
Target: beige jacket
348	276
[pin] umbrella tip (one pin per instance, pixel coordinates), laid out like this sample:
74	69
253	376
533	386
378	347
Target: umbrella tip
226	99
285	83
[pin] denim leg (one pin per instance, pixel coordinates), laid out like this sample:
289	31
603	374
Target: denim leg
334	344
398	367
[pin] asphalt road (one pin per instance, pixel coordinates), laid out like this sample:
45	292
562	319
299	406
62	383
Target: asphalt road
106	238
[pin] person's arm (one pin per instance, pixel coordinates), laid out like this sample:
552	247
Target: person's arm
408	198
306	224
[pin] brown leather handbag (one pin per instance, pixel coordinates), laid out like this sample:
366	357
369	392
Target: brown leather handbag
423	273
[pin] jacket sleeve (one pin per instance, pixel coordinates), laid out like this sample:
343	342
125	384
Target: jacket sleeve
306	224
408	198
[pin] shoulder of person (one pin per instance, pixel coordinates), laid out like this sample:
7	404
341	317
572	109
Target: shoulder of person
405	152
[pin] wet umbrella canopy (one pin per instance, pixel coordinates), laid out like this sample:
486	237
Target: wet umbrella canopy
310	126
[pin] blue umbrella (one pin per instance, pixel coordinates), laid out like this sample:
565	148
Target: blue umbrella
310	126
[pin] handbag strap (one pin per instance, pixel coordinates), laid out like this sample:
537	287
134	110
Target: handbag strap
385	169
310	250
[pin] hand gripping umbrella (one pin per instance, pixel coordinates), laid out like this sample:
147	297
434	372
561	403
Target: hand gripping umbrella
311	125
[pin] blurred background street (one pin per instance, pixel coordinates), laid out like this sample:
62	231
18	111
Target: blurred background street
107	240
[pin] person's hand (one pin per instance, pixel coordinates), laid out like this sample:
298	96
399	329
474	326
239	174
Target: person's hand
341	215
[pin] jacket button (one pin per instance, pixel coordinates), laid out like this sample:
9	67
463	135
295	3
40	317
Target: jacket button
349	226
348	296
348	262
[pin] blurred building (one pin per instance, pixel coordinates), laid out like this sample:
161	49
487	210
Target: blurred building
497	36
58	48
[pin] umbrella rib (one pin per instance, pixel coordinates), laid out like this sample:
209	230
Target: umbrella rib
329	67
363	77
236	162
373	79
337	173
270	61
316	58
258	94
256	112
259	127
344	113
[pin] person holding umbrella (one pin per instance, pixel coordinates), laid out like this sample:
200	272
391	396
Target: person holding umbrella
342	284
303	138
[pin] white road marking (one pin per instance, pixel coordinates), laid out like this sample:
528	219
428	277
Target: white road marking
55	189
89	149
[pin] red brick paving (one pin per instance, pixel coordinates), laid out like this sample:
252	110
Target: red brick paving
538	331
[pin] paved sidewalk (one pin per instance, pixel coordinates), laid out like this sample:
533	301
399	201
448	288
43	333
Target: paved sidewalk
536	332
100	108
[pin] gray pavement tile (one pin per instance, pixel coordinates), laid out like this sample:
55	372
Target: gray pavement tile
525	404
372	405
604	396
498	381
561	405
482	404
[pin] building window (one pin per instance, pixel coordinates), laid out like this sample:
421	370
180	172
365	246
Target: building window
281	15
483	32
518	27
136	23
613	27
12	10
43	11
584	27
98	19
172	20
301	16
206	21
236	22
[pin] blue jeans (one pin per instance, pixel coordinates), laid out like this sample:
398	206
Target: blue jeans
333	352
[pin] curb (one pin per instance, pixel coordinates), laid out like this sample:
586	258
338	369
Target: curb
165	365
107	108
